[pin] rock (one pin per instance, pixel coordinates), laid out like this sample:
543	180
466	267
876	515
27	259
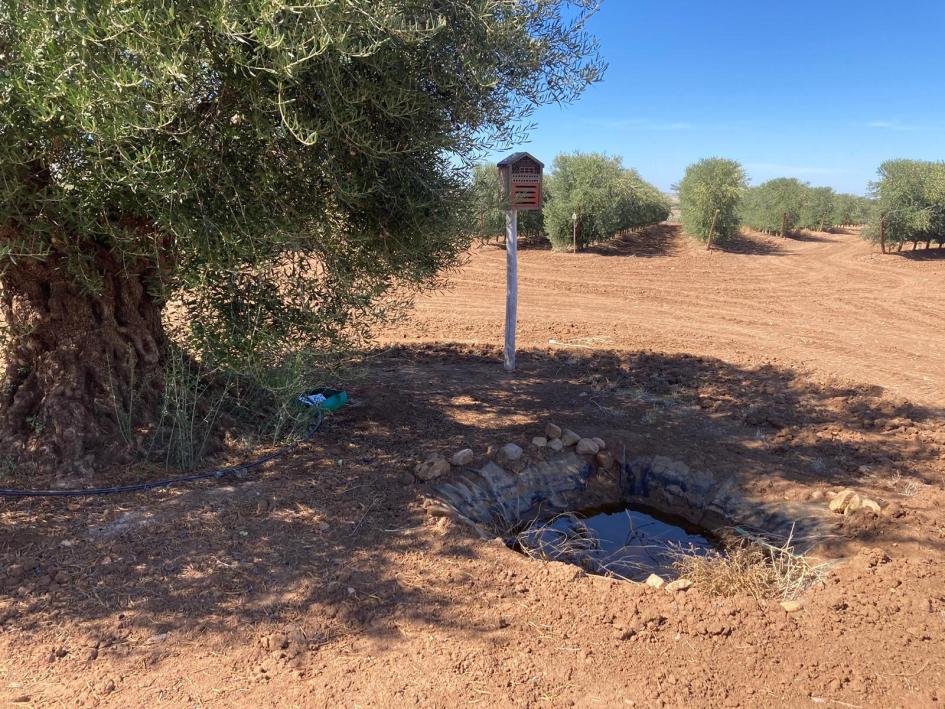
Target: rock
870	505
791	606
817	496
433	467
510	452
840	500
854	503
679	585
586	446
463	457
556	445
553	431
655	581
274	641
604	460
539	441
569	437
600	443
62	578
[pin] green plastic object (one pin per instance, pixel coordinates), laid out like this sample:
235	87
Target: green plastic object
324	398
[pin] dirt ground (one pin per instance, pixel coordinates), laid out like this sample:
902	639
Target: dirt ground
798	366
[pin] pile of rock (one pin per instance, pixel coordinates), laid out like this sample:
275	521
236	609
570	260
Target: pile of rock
848	502
513	457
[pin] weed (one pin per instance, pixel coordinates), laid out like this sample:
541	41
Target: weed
754	566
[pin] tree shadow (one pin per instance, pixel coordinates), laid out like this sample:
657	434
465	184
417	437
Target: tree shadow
334	534
922	254
809	236
653	241
749	245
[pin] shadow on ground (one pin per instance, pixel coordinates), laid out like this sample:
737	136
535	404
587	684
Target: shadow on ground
750	245
653	241
922	254
333	535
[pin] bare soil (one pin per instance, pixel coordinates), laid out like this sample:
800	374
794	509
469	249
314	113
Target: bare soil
799	366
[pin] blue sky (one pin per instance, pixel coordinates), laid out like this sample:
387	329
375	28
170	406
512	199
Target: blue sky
819	90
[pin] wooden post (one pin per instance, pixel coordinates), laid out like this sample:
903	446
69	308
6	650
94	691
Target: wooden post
882	233
784	225
511	286
574	219
715	217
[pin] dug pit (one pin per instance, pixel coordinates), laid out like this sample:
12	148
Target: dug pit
606	497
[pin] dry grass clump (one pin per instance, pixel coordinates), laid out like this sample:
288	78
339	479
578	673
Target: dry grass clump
754	566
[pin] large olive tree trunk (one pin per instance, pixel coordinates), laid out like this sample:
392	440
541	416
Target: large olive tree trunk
81	370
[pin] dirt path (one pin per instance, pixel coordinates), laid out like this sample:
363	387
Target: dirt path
829	304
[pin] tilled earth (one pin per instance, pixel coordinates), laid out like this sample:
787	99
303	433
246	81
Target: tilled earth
799	367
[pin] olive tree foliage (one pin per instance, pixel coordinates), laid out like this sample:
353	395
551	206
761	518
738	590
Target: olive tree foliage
764	206
851	210
709	185
817	209
910	196
606	197
487	212
272	170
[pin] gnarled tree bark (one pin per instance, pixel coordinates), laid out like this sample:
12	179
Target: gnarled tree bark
82	369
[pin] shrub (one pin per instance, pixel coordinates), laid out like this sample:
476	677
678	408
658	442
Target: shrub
709	185
606	197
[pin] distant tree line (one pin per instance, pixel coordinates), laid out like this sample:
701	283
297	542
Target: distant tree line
591	197
787	204
715	202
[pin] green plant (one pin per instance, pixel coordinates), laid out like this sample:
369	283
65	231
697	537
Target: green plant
605	196
910	197
711	185
817	209
281	173
774	205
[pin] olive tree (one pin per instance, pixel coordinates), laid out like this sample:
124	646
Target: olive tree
605	197
817	209
910	197
774	204
709	186
271	170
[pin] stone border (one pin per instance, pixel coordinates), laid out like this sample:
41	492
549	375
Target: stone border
563	472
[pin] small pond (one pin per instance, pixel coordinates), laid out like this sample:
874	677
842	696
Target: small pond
615	541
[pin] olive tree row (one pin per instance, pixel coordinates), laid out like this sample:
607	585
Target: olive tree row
786	204
594	197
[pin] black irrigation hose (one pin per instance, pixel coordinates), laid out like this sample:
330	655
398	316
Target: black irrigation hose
135	487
